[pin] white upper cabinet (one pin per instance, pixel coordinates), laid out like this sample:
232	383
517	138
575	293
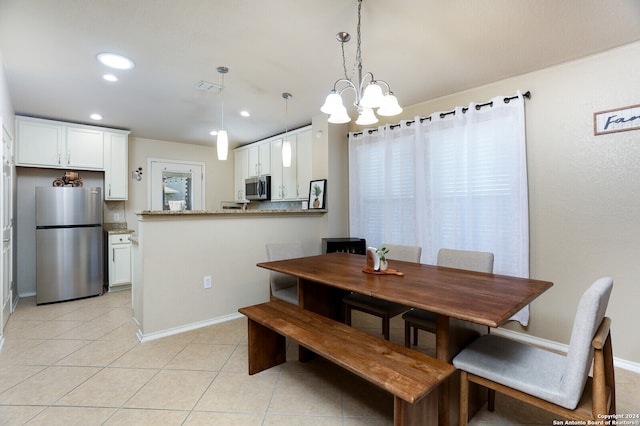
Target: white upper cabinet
241	158
116	161
259	159
85	148
292	183
46	143
39	143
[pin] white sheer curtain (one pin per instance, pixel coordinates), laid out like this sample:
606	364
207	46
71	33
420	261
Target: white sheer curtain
458	180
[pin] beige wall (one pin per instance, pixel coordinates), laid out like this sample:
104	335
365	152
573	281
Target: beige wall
584	190
218	174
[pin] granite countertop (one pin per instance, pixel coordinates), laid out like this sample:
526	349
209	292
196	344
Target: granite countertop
229	212
117	228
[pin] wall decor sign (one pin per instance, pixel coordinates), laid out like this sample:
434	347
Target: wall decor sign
616	120
317	194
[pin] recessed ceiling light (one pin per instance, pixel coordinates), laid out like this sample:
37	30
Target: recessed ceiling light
245	113
115	61
110	77
96	117
213	133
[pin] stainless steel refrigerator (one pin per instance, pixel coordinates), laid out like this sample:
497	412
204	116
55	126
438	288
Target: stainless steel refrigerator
68	243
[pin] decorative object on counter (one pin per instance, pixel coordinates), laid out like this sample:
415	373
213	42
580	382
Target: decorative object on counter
286	144
70	178
382	253
368	95
317	194
137	174
377	262
222	143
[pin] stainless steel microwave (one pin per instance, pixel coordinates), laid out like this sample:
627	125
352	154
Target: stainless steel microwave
258	188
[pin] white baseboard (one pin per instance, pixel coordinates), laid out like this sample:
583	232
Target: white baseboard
27	294
177	330
561	347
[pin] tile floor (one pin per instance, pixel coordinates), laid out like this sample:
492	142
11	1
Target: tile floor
80	363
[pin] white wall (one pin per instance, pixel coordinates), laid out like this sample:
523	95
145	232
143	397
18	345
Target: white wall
218	174
175	252
584	190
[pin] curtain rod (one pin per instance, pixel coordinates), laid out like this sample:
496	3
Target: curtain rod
506	100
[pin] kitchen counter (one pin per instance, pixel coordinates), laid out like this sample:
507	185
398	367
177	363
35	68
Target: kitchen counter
230	212
116	228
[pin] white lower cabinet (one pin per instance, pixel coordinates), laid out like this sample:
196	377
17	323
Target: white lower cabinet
119	261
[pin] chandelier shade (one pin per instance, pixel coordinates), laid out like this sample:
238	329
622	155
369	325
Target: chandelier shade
222	140
369	92
222	145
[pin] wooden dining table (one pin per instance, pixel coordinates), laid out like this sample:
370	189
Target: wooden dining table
466	303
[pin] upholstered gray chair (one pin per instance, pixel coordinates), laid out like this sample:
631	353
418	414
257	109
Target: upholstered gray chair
282	286
460	259
554	382
382	308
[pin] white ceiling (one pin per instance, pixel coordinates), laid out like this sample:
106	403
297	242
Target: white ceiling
423	48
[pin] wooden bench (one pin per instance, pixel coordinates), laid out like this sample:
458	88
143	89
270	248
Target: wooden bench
409	375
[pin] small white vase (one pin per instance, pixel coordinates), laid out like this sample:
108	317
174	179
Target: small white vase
383	265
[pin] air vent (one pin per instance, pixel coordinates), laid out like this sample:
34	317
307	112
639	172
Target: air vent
205	86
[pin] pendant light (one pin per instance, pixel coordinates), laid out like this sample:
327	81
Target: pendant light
222	144
286	144
368	91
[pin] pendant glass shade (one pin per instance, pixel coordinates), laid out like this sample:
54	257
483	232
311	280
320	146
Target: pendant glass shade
286	153
332	104
340	116
372	97
222	145
366	117
389	106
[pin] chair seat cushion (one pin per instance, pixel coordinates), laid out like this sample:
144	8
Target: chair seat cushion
510	363
422	319
372	305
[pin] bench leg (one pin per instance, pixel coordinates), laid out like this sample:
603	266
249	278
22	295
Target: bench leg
266	347
421	413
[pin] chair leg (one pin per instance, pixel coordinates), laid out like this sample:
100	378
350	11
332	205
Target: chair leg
347	314
415	336
491	400
407	334
385	327
464	399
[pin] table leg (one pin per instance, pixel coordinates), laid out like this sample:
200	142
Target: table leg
321	299
452	335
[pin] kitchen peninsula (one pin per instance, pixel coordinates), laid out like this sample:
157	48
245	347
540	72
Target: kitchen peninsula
174	252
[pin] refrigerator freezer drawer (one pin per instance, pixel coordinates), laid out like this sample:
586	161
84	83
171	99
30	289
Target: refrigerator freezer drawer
68	263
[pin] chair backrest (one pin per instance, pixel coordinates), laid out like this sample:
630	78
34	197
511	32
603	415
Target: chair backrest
591	311
282	251
478	261
403	253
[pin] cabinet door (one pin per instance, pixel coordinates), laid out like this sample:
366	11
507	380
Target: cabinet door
40	143
116	146
277	193
265	158
289	178
303	164
254	161
241	159
120	273
85	148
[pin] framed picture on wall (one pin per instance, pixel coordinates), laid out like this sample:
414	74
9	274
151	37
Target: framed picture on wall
317	194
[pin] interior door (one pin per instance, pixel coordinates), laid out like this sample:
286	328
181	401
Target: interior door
6	220
176	185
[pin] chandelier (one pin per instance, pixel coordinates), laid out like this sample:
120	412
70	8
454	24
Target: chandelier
368	91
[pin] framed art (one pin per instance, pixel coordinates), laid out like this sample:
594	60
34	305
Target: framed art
616	120
317	193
